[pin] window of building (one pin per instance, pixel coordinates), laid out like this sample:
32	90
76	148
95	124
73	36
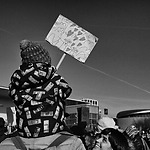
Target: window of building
93	116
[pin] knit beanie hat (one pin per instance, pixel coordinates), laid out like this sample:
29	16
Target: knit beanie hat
32	52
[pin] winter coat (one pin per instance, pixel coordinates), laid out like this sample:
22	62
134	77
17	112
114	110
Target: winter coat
39	95
72	143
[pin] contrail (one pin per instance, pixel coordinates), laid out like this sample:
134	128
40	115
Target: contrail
1	29
144	90
121	27
134	27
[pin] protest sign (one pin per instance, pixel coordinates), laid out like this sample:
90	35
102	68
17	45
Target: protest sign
71	39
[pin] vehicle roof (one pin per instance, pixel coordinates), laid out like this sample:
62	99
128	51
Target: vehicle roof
134	112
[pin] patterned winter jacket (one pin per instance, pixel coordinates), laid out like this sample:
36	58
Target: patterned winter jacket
39	94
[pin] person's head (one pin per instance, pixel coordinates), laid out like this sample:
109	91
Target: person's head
106	122
112	139
135	140
32	52
89	140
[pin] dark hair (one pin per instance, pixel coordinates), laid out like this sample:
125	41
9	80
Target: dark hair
2	122
117	139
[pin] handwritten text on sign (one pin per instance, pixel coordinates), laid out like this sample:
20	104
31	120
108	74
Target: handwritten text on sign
72	39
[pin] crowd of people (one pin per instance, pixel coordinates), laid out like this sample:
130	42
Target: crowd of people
39	95
108	136
105	136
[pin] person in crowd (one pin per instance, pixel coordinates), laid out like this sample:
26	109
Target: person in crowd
80	130
105	122
136	142
90	140
3	130
111	139
39	95
6	131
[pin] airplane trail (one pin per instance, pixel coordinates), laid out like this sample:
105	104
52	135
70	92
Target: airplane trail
130	84
1	29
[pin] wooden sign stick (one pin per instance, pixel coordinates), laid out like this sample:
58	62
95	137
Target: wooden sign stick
60	61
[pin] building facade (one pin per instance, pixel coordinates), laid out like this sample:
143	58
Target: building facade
81	110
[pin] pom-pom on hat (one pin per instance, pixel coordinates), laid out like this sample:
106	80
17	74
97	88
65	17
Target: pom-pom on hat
32	52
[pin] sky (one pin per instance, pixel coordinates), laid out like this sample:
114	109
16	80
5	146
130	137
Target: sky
118	69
